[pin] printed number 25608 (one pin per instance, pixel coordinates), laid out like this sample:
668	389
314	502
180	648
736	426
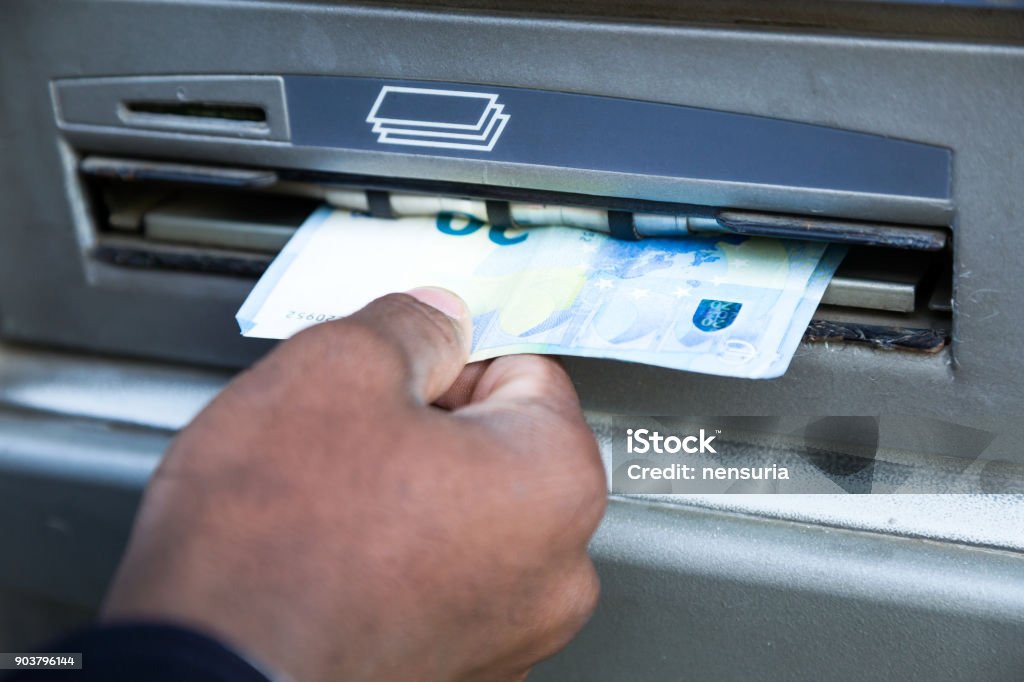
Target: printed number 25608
309	317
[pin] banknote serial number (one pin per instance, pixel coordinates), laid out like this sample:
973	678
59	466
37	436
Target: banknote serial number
41	661
309	317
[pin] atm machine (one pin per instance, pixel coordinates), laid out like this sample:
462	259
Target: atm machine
155	156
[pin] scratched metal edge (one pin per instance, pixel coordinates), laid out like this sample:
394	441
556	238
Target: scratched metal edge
165	397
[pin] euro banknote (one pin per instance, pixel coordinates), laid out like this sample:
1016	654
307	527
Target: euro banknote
722	304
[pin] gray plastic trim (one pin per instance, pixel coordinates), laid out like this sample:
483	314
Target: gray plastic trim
574	131
101	101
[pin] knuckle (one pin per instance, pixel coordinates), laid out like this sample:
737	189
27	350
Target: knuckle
541	371
548	371
394	305
576	598
590	510
404	314
595	496
585	471
588	590
580	441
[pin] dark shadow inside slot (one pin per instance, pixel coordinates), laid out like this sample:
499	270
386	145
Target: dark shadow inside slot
204	110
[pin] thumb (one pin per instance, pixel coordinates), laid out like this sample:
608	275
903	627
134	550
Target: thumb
431	330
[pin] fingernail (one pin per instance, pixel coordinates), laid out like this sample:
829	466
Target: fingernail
448	302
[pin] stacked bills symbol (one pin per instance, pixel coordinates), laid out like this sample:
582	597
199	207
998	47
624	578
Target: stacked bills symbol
443	119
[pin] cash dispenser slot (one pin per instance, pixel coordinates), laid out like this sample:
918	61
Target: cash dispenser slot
894	280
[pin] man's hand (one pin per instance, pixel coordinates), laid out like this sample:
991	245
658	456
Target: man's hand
327	517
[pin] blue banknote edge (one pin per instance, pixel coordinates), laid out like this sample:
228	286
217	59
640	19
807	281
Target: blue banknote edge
258	296
804	313
801	317
817	284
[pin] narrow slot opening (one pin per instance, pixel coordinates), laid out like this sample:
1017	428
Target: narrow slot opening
199	217
212	111
886	297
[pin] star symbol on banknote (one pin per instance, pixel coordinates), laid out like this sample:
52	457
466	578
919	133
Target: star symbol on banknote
680	292
603	283
640	293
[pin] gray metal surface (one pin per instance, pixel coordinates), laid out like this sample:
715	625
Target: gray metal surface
950	94
877	294
927	18
136	169
707	588
157	397
829	587
689	595
883	280
257	224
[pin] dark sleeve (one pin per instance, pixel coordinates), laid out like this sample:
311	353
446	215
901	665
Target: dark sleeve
152	652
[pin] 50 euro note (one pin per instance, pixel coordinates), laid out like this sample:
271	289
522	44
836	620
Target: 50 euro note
722	304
